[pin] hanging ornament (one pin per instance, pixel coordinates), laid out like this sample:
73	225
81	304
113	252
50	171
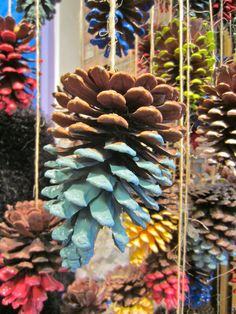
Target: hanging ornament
46	9
159	231
127	291
130	17
161	276
166	59
113	127
199	8
29	257
205	309
16	77
218	114
229	9
214	220
17	147
84	296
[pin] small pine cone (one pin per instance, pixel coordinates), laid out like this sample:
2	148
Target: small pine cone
131	15
214	217
16	82
166	61
205	309
29	256
161	276
159	232
199	8
229	9
218	114
125	286
46	9
84	296
114	128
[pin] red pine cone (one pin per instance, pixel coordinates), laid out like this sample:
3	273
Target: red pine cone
229	8
16	81
162	278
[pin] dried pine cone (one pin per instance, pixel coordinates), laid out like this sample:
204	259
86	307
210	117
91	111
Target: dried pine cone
218	114
46	9
213	217
84	296
205	309
127	291
29	257
114	128
161	276
159	231
166	61
130	17
16	81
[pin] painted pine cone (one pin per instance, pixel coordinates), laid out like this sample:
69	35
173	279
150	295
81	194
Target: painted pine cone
166	61
113	127
29	256
16	82
159	232
218	114
46	9
205	309
84	296
214	218
126	289
229	9
131	16
200	8
161	276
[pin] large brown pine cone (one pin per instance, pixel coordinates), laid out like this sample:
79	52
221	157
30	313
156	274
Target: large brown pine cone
26	244
218	114
84	296
125	286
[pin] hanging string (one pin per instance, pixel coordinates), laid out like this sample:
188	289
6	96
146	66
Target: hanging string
152	38
212	27
136	56
112	33
188	150
37	126
81	33
170	10
181	164
221	31
9	13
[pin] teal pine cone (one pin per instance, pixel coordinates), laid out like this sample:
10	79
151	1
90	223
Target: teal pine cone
111	133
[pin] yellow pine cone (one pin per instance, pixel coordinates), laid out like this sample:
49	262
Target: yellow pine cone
156	237
145	306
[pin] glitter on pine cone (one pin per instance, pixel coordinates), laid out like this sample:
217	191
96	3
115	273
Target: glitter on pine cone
213	217
229	9
29	257
127	291
218	114
114	128
46	10
17	83
131	16
166	60
161	276
159	232
84	296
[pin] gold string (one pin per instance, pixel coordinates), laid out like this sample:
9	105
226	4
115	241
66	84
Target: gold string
187	150
152	38
221	32
112	33
37	126
9	7
136	56
81	33
181	164
212	27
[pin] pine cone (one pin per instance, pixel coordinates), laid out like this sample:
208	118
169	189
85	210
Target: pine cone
229	9
84	296
214	219
161	276
130	17
29	257
113	127
166	61
16	81
205	309
217	112
159	231
46	9
127	290
17	149
200	8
